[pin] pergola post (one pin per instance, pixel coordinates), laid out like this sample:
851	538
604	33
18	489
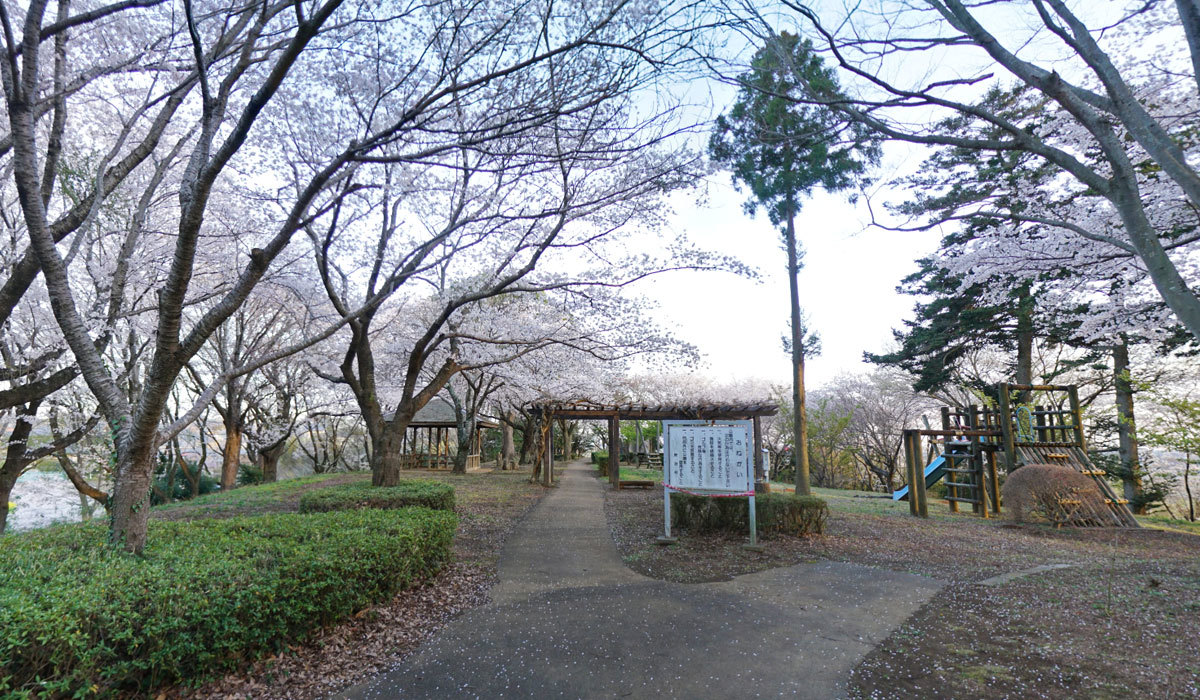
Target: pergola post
614	452
548	468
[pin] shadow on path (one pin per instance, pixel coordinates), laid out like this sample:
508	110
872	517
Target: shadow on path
569	619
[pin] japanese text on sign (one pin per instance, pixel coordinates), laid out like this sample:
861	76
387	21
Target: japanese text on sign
708	457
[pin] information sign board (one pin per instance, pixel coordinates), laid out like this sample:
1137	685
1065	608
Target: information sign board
709	458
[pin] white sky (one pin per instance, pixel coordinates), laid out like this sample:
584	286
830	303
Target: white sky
847	286
848	283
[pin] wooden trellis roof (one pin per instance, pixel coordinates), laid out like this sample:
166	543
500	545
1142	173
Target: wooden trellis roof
438	413
690	411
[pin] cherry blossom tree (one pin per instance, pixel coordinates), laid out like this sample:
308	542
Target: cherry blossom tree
517	219
277	106
880	405
1088	292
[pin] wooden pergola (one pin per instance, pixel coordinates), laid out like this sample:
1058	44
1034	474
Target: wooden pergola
427	441
615	413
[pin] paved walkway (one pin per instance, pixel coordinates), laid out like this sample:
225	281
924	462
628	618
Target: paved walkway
568	619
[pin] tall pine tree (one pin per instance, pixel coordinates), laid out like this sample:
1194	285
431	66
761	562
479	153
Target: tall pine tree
781	146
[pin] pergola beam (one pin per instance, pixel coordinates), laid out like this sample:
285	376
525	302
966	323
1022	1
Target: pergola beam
680	412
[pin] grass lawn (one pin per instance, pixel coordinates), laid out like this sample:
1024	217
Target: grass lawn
1162	522
279	497
633	473
488	505
1122	621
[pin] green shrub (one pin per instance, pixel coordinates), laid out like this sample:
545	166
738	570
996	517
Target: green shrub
414	492
774	513
81	618
182	489
249	475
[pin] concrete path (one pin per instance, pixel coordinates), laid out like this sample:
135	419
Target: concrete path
568	619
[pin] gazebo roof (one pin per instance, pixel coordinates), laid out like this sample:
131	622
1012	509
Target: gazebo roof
701	410
439	413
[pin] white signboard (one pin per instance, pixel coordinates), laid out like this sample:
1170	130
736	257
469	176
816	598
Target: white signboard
709	457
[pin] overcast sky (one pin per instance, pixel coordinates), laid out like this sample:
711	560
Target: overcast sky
847	286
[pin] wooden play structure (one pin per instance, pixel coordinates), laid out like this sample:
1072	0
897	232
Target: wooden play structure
430	441
971	441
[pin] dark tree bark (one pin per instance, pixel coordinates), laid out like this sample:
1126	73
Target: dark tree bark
268	461
1187	486
528	439
1025	338
799	399
1127	442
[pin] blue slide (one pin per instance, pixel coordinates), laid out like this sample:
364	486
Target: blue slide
936	470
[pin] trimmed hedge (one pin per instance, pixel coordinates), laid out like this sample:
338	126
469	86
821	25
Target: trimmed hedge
424	493
78	617
774	513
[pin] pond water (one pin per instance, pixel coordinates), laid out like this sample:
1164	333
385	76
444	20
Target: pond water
46	497
43	498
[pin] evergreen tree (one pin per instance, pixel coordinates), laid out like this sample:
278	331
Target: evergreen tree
782	148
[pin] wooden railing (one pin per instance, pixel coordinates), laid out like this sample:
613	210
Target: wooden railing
421	460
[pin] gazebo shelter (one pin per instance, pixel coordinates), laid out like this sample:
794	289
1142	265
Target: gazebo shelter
614	414
433	432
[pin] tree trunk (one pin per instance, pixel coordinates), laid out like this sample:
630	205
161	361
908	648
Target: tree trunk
7	481
388	455
1024	348
465	443
508	449
1127	447
1187	487
231	455
528	439
15	458
87	508
568	436
268	462
800	422
131	498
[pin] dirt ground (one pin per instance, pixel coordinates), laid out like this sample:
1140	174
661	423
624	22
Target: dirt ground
1123	620
488	504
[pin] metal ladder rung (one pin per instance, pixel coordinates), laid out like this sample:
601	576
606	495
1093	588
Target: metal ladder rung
961	485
